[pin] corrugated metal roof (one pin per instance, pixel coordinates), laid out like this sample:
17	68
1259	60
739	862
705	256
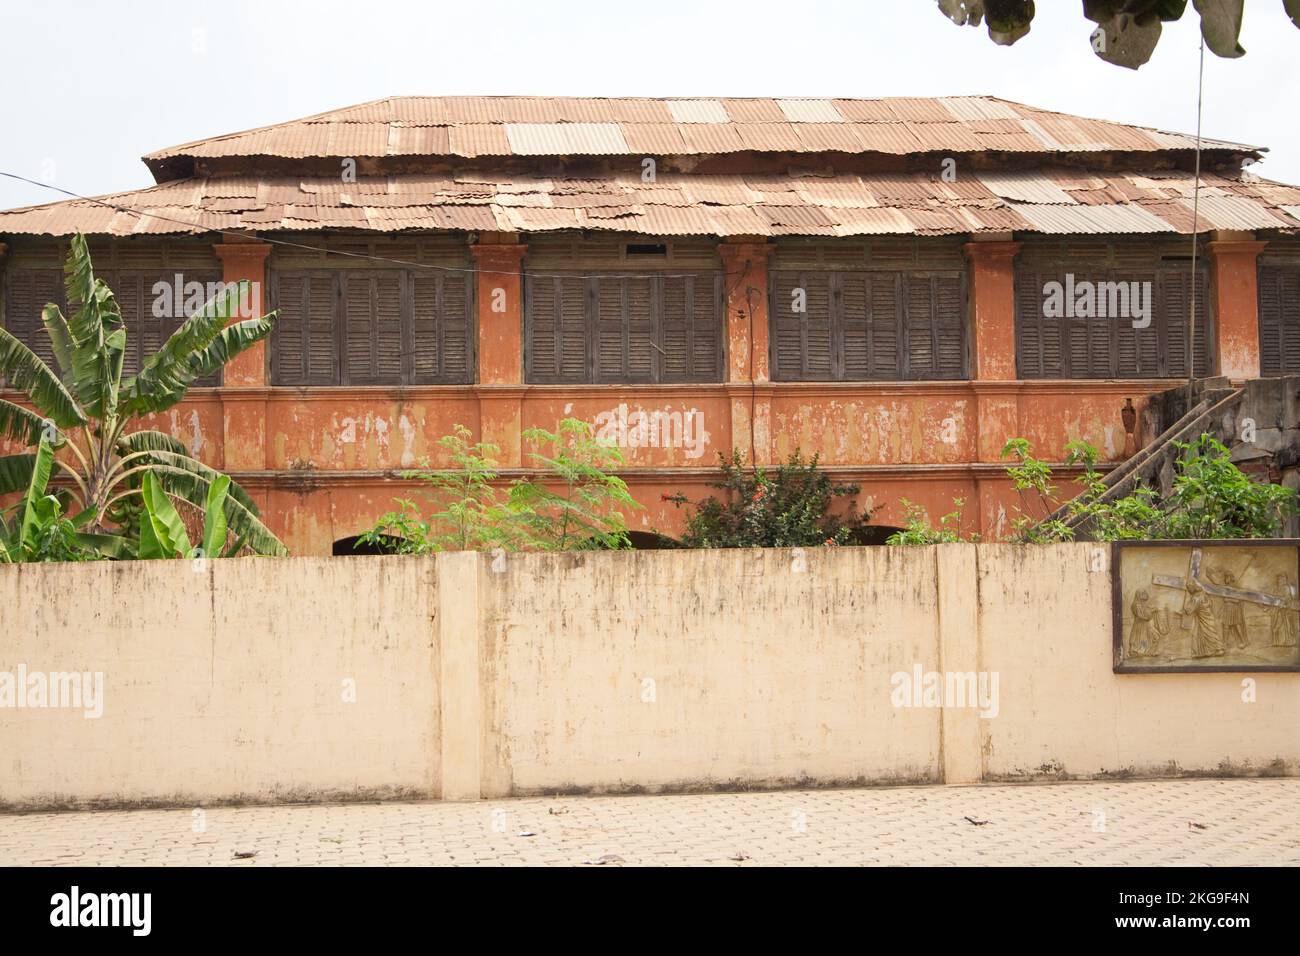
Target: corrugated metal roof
476	126
698	111
1061	201
565	139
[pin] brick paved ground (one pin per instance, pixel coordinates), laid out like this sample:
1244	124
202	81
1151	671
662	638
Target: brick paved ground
1216	822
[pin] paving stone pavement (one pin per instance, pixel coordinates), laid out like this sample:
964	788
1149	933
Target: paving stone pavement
1174	822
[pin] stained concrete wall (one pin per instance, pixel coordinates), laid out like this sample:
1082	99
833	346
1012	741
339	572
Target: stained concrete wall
481	676
224	680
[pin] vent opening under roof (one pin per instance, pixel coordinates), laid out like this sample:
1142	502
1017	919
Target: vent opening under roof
647	249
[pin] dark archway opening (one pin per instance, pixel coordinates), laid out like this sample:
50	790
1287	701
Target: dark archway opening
354	546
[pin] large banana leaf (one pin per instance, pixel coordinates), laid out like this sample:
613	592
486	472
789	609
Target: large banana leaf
166	373
16	472
26	372
215	524
165	450
36	504
23	424
56	326
194	489
159	388
162	532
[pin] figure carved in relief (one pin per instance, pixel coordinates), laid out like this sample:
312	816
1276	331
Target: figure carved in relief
1207	640
1234	618
1150	625
1284	622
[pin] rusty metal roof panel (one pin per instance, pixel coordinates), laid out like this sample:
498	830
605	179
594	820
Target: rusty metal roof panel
946	137
1231	212
658	139
565	139
977	108
866	111
815	201
697	111
479	139
810	111
571	125
710	138
1070	220
912	109
828	137
1024	187
753	111
764	137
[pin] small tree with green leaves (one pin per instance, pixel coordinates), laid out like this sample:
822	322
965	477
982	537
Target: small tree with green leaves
574	505
582	512
918	530
790	506
469	515
1210	497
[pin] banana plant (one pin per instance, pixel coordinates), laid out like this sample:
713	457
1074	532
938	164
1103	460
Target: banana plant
163	534
41	530
86	412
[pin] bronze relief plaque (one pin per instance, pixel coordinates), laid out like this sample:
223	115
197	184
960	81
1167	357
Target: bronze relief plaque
1211	606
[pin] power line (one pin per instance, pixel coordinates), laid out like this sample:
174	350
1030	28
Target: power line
353	255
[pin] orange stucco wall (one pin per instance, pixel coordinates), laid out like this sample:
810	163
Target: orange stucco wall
323	463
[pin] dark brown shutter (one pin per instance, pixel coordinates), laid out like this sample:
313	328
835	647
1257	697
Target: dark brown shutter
886	326
1173	304
921	346
27	292
949	326
851	296
1279	320
1138	350
372	327
803	348
690	328
556	330
625	346
304	345
440	346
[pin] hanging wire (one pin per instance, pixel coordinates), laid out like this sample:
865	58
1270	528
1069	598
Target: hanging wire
1196	215
351	255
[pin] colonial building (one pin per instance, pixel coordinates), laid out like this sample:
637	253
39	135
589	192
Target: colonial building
897	285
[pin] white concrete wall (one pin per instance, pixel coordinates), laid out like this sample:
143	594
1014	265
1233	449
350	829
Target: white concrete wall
597	672
224	681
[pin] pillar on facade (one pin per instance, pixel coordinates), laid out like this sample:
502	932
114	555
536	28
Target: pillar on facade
243	394
993	343
1234	291
498	259
744	268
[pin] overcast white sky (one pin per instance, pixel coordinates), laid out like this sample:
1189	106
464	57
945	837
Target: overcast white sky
90	87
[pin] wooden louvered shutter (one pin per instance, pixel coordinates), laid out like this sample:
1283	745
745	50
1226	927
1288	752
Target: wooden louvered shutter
949	326
1173	302
1279	320
27	292
886	325
555	321
304	345
440	346
922	359
624	309
144	331
851	301
802	346
1089	338
1039	338
373	327
1138	350
690	328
